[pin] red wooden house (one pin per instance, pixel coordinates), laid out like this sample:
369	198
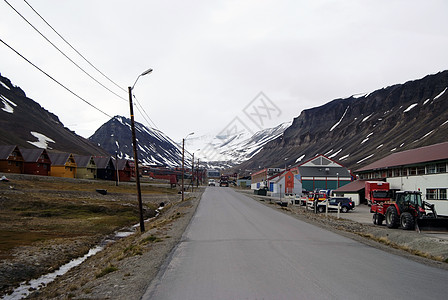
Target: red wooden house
36	162
11	159
124	169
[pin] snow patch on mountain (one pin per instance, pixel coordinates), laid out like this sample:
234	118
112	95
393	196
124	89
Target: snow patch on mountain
42	140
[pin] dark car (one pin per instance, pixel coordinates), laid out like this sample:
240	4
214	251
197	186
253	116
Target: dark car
346	204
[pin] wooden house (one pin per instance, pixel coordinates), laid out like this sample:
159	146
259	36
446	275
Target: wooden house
85	167
124	169
11	159
36	162
62	165
105	168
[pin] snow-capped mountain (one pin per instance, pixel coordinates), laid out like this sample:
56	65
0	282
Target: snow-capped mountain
358	130
23	122
154	147
224	151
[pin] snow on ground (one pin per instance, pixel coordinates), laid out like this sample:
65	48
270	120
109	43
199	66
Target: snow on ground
379	146
440	95
410	107
446	122
42	140
426	101
427	134
367	138
366	118
339	122
336	153
2	83
365	158
344	157
300	158
8	104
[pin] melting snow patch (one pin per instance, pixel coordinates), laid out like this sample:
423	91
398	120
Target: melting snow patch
426	101
42	140
379	146
339	122
8	104
440	95
300	158
365	119
344	157
326	154
427	134
393	149
365	158
410	107
336	153
446	122
2	83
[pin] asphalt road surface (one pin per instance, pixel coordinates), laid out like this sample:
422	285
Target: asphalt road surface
238	248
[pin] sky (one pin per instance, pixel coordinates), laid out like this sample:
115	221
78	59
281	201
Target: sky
217	66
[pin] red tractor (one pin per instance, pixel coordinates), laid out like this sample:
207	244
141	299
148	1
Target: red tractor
408	211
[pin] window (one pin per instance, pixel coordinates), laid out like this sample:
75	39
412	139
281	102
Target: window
441	168
431	194
412	171
436	194
421	170
431	169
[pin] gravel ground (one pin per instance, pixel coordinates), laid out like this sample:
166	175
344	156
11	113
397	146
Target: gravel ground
124	269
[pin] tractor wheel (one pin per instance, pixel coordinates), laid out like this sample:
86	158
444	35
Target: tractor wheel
407	221
392	219
380	219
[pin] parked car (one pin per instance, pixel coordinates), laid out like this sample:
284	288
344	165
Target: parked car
346	204
211	182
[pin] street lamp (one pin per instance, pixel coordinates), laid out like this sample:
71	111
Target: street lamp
134	144
183	171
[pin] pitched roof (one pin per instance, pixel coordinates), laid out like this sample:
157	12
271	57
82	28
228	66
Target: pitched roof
102	162
59	159
306	171
409	157
6	150
353	186
82	160
32	155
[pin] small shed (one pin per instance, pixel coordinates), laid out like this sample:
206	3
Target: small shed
62	164
11	159
354	190
85	167
36	162
285	183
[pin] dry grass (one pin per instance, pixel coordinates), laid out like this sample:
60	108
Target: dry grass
44	209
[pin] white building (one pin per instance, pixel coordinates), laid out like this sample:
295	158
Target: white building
423	169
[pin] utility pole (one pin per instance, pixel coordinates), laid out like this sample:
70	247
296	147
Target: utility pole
137	176
183	171
192	173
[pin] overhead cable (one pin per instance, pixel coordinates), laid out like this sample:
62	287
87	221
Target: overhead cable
75	49
60	51
52	78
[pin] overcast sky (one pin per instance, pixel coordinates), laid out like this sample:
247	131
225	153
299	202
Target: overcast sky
212	59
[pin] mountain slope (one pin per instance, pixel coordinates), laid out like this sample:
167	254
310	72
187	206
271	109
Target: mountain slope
154	147
359	130
25	123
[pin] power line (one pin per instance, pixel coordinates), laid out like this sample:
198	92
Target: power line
52	78
60	51
144	113
75	49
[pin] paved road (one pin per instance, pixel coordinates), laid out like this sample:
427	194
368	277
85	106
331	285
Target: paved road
237	248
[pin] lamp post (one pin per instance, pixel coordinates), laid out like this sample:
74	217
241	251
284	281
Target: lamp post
134	144
183	155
